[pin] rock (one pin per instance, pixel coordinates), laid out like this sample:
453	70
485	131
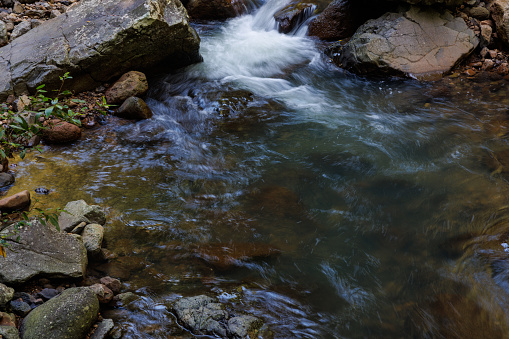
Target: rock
22	28
18	8
93	238
103	329
227	256
130	84
3	33
103	293
6	179
479	12
19	307
448	3
420	43
202	315
79	229
337	21
15	202
214	9
500	13
6	294
134	108
7	319
292	16
98	40
9	332
42	251
76	212
126	298
48	293
68	316
113	284
59	132
485	36
244	326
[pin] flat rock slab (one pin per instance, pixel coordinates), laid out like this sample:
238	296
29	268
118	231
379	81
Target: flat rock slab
97	40
420	43
42	251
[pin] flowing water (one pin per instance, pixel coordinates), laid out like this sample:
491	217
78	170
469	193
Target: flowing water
376	193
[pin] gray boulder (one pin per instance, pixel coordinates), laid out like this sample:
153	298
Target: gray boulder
420	43
76	212
103	329
500	13
6	294
3	33
244	325
97	40
68	316
202	315
20	29
93	238
42	251
9	332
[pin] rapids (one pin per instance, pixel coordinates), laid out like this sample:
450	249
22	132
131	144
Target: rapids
367	187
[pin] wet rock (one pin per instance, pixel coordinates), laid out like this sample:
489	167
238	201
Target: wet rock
293	15
43	251
60	132
6	294
9	332
227	256
131	84
19	307
401	44
134	108
103	330
79	229
68	316
337	21
79	211
3	33
113	284
15	202
202	315
479	12
42	190
92	238
103	293
244	326
7	319
48	293
98	40
20	29
126	298
500	13
6	179
214	9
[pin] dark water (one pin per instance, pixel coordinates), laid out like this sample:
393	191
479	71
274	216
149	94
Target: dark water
381	196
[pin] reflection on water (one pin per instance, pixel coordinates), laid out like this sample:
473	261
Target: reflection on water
328	205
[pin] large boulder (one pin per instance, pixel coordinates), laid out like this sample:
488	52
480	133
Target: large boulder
217	9
500	13
97	40
337	21
68	316
42	251
420	43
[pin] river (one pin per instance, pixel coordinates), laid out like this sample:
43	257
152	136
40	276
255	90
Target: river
367	189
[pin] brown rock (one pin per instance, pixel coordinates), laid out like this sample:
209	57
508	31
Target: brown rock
7	319
485	36
104	294
500	13
470	72
113	284
337	21
488	65
134	108
503	69
61	132
290	17
214	9
15	202
130	84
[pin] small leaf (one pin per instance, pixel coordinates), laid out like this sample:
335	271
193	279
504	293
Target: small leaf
2	251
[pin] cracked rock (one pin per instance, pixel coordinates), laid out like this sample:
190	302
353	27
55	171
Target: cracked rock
420	43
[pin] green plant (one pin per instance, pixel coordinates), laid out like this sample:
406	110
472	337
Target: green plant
103	106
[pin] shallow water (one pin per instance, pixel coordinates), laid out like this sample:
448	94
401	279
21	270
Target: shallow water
372	191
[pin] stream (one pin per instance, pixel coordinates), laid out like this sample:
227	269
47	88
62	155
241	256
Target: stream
354	196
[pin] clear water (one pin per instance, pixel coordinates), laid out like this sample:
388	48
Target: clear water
376	193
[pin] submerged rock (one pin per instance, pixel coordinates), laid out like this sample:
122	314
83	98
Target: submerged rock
42	251
293	15
134	108
68	316
420	43
97	40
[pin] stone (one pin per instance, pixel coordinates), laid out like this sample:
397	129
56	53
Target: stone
103	330
134	108
7	319
18	8
61	132
243	326
202	315
337	21
22	28
448	3
79	229
479	12
42	251
9	332
500	13
93	238
485	36
103	293
3	33
292	16
76	212
15	202
213	9
19	307
48	293
126	298
130	84
6	294
419	43
113	284
96	41
6	179
68	316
